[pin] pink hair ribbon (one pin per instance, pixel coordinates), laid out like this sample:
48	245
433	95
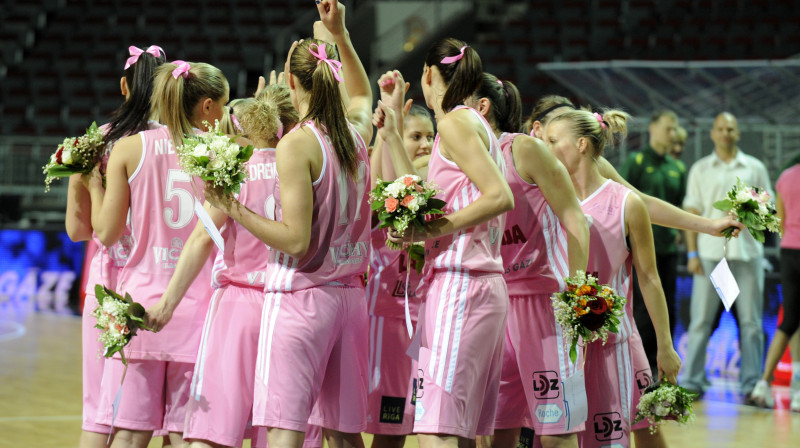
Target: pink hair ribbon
280	130
135	52
235	122
323	57
600	119
181	70
451	59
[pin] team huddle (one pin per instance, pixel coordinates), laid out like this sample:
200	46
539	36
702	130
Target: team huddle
276	336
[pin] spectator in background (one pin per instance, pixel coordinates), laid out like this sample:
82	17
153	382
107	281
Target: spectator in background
787	202
678	144
654	172
710	178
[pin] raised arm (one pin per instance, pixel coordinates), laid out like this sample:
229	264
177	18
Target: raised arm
537	164
462	142
663	213
193	257
359	110
640	233
110	206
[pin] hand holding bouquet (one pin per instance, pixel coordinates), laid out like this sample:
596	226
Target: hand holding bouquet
404	203
215	157
665	401
119	318
753	207
587	310
75	155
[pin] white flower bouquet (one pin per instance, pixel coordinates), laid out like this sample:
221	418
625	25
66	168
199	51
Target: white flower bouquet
75	155
665	401
215	157
405	202
587	310
119	318
753	207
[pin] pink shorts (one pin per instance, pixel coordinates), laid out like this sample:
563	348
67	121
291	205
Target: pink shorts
461	354
154	394
535	350
313	349
642	376
93	362
609	380
313	437
221	394
390	411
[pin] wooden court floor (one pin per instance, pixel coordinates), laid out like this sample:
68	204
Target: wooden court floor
40	396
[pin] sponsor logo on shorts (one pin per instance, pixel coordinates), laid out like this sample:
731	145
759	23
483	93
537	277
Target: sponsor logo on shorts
644	379
549	413
525	438
392	409
546	384
608	426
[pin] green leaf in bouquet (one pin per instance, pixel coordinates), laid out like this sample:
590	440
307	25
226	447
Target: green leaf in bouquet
758	235
435	205
100	293
62	171
384	216
245	153
724	205
416	253
202	160
207	177
573	351
376	205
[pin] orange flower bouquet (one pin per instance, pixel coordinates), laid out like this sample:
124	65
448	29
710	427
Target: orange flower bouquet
587	310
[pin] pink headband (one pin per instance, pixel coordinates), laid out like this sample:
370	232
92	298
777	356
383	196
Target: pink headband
135	52
181	70
451	59
600	119
323	57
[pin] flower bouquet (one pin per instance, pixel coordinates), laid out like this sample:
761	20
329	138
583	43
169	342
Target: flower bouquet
405	202
753	207
75	155
587	310
665	401
215	157
119	318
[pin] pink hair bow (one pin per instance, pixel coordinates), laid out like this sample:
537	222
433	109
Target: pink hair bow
181	70
135	52
451	59
600	119
323	57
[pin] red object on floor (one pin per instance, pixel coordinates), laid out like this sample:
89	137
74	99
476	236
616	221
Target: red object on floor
783	373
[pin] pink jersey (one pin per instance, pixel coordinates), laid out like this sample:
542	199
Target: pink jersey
244	261
387	281
788	187
476	248
161	220
338	253
534	244
610	259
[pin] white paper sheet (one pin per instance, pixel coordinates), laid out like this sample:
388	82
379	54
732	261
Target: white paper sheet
577	409
208	223
726	286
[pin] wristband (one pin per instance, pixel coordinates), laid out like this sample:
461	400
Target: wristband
692	254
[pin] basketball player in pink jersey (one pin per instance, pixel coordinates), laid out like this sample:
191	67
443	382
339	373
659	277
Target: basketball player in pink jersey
393	279
661	213
144	176
221	394
546	239
621	236
312	352
131	117
462	326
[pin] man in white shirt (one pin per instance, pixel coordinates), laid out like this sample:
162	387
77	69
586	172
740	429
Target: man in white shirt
710	178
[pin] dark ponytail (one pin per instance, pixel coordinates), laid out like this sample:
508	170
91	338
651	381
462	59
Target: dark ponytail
325	105
132	116
506	103
463	76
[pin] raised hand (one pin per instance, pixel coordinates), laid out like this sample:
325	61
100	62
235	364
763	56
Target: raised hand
331	13
385	119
